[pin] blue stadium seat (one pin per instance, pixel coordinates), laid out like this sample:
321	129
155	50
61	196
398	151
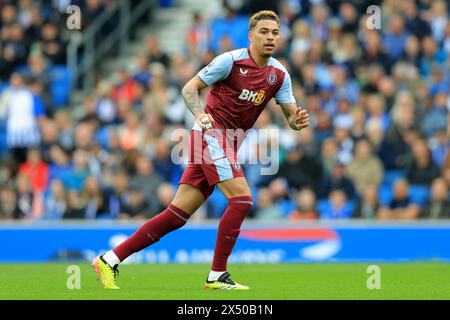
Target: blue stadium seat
3	86
23	69
60	85
419	194
231	28
322	205
3	144
385	194
391	175
218	203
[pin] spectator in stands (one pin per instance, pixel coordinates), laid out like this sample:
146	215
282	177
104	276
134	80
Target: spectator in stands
438	206
431	54
198	36
23	115
368	206
163	163
421	170
59	163
131	133
373	51
343	118
401	206
305	206
279	190
55	201
106	104
26	200
115	197
142	73
148	181
402	126
412	51
328	155
300	170
159	94
36	170
436	119
8	15
301	34
84	133
154	52
446	42
365	169
337	206
65	126
349	16
9	206
439	147
76	206
357	131
40	73
94	199
307	142
34	25
413	20
337	180
318	21
137	207
375	106
165	193
13	48
345	143
267	208
74	178
395	38
52	45
125	88
49	137
438	18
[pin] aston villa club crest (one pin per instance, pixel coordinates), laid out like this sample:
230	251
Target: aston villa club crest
272	78
237	166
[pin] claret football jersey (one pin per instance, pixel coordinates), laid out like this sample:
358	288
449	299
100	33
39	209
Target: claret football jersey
240	88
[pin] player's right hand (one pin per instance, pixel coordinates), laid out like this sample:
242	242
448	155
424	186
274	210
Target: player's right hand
205	120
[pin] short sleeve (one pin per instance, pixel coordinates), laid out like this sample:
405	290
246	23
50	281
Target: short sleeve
217	70
284	94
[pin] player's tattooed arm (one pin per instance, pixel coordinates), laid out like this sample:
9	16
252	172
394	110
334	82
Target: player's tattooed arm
297	117
191	96
192	100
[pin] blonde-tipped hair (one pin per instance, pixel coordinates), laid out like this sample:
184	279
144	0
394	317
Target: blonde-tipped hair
263	15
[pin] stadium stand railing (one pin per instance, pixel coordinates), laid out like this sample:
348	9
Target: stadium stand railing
80	62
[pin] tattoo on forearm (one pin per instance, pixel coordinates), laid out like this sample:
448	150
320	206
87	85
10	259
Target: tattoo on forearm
192	100
287	114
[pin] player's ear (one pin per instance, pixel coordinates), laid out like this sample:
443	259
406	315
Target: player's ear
250	36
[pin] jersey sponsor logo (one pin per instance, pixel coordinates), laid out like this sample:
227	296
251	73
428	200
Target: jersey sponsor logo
272	78
256	97
243	72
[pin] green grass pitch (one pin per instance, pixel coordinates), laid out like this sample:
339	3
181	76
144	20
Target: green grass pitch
428	280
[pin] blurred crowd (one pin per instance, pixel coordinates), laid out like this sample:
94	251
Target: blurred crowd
379	102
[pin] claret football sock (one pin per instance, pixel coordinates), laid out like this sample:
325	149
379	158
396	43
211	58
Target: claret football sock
229	229
150	232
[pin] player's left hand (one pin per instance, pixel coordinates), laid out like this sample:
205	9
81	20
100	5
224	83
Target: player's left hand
301	118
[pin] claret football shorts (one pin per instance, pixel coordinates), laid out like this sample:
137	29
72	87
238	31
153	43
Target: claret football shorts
212	159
